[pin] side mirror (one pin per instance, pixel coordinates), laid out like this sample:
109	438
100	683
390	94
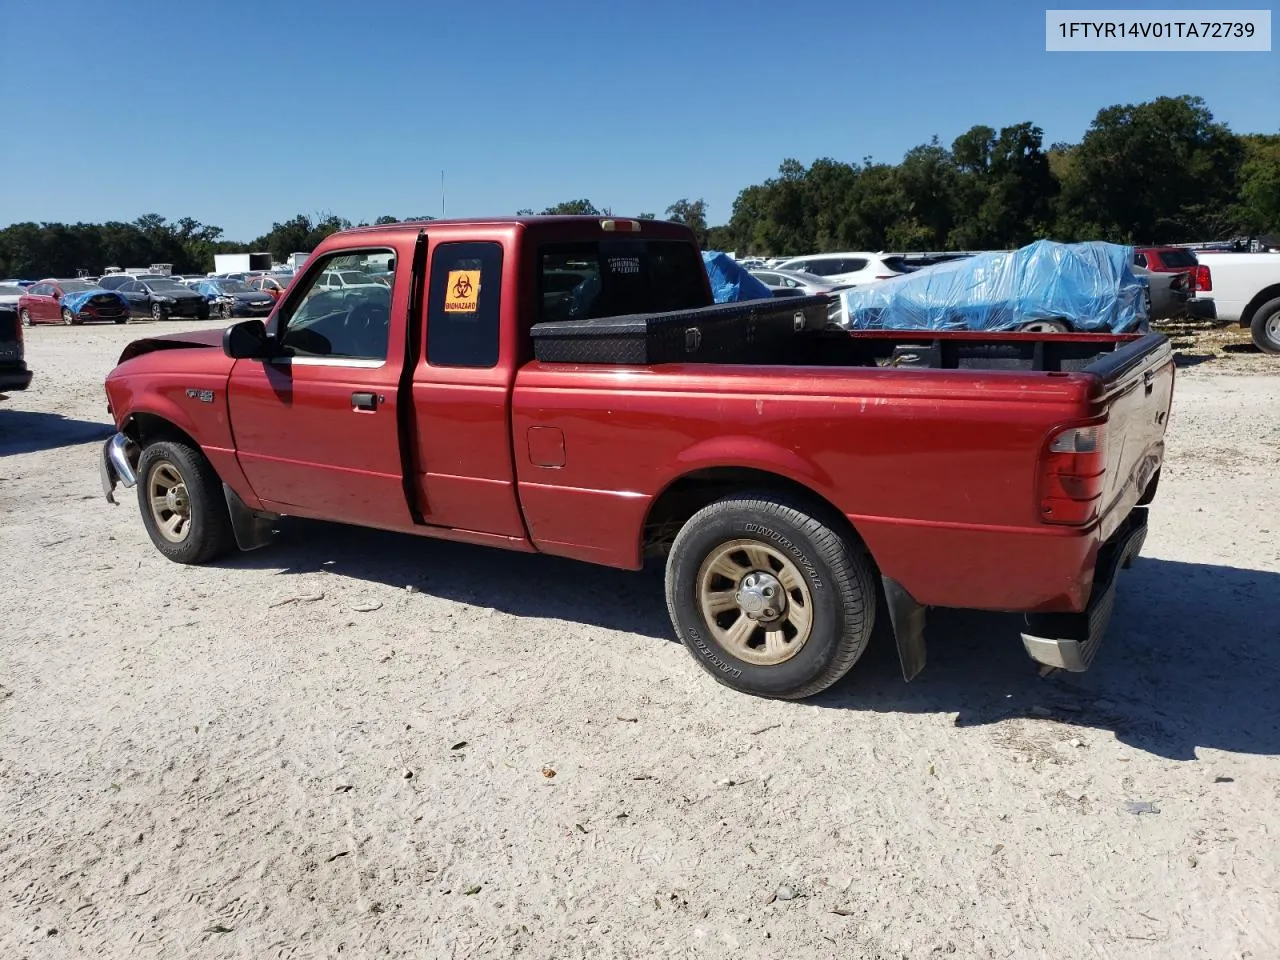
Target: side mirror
246	340
56	295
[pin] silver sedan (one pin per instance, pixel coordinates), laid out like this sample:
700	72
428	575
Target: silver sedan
805	284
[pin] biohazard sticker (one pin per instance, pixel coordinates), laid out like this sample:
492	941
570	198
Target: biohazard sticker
462	291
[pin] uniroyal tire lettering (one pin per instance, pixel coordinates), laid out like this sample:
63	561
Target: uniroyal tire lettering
783	541
711	656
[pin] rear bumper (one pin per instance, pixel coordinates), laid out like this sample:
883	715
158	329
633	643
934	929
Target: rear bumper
14	377
1070	641
1199	309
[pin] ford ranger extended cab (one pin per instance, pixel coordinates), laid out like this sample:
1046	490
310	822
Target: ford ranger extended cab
465	390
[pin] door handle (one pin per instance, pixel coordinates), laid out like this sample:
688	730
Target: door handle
364	401
1149	380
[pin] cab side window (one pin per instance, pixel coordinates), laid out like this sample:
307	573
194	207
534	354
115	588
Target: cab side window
349	322
463	305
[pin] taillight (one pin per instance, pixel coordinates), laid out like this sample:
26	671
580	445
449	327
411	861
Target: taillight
1072	470
1202	280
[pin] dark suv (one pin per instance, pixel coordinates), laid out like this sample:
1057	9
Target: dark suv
162	298
14	374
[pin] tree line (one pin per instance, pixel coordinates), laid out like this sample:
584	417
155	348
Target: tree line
1158	172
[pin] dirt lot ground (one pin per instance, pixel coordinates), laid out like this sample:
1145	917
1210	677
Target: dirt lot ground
213	763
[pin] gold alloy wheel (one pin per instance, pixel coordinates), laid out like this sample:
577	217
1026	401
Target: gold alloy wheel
755	602
170	504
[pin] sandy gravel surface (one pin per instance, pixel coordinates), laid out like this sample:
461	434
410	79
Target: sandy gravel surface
233	761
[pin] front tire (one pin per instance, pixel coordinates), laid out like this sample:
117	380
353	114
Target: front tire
182	504
225	311
25	316
69	318
1266	327
157	312
768	597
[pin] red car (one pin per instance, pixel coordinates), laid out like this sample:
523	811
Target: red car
564	385
1175	260
70	302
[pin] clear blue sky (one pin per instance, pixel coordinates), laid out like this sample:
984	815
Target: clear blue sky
241	113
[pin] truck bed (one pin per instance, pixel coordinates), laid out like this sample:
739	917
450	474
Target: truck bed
931	447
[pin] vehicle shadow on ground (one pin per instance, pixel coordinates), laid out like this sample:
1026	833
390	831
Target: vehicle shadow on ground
1192	659
523	585
28	431
1192	359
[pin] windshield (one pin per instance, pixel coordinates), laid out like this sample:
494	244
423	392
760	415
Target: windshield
166	285
76	286
351	277
613	278
232	286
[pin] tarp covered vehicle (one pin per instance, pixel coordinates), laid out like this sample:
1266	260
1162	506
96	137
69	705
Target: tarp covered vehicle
1042	286
730	282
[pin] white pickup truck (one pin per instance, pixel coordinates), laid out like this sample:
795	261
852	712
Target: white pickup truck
1246	290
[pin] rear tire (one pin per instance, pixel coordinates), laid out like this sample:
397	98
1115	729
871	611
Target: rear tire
1266	327
182	504
25	316
768	597
1044	326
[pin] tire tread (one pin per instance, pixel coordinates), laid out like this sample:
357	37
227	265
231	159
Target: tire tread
214	536
851	569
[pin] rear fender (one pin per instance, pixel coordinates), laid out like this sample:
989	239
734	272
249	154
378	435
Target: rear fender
754	453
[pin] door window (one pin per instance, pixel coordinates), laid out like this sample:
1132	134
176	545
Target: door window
464	303
352	322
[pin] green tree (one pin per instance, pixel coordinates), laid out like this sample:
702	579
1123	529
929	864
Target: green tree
693	214
580	207
1259	185
1157	172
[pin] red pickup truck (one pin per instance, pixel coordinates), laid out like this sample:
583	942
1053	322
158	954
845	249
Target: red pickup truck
997	471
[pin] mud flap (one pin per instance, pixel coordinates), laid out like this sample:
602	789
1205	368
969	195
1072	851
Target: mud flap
907	617
252	529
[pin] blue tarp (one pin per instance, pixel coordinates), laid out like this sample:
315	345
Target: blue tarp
730	282
74	301
1089	285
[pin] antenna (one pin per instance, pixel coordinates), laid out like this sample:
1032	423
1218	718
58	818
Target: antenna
443	215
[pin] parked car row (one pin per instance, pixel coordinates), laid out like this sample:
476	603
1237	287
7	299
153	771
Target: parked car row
119	296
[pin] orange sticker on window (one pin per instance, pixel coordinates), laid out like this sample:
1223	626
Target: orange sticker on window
462	291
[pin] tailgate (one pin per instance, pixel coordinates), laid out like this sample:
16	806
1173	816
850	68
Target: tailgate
1134	392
